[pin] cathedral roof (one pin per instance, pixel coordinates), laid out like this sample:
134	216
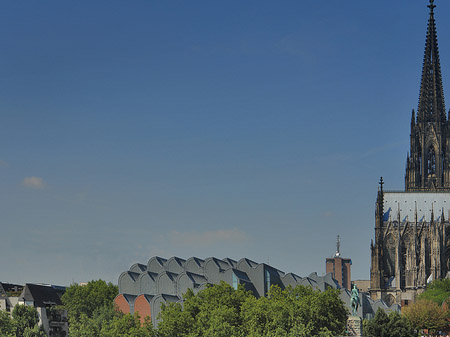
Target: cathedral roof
428	205
431	98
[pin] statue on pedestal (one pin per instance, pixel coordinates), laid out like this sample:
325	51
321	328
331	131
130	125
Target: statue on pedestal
354	300
354	322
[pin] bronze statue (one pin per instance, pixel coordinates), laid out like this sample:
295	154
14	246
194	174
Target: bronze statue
354	300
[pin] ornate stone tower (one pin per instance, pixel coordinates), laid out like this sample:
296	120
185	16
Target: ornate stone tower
412	230
428	163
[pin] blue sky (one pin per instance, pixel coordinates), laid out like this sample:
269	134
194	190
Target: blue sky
234	129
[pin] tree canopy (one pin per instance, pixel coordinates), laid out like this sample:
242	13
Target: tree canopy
298	311
127	325
23	322
214	312
392	325
6	324
89	307
437	291
222	311
87	299
426	314
91	313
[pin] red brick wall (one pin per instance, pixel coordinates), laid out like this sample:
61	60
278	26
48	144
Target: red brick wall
122	304
348	271
340	267
142	307
329	266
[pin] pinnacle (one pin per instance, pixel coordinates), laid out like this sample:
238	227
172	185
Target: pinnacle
431	99
431	6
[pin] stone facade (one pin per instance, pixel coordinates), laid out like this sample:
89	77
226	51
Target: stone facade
354	326
412	230
428	163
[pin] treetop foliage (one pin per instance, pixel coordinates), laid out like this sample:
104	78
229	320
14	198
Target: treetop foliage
89	307
87	299
91	313
222	311
437	291
127	325
6	324
426	314
392	325
23	322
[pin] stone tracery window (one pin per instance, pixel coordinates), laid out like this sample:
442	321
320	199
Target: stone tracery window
431	160
390	244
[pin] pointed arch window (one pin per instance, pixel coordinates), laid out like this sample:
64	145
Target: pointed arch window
419	153
431	158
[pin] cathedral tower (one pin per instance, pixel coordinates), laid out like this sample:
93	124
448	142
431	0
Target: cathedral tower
428	163
412	229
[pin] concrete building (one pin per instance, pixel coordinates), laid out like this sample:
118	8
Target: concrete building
412	228
144	287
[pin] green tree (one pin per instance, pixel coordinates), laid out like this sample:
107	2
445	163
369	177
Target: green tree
213	312
392	325
6	324
87	299
427	314
91	326
437	291
175	321
89	307
400	326
24	317
83	327
221	311
217	310
127	325
298	311
36	331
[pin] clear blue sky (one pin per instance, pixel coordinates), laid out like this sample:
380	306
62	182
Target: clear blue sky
234	129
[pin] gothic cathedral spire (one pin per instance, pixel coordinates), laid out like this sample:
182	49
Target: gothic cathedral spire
431	98
427	165
411	234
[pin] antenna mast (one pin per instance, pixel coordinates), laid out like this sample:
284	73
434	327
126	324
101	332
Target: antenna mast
338	247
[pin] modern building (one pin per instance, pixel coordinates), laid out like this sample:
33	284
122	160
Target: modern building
9	296
412	229
45	298
340	268
144	287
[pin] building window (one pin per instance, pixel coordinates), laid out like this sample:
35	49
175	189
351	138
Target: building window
235	282
404	258
267	279
344	276
431	161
